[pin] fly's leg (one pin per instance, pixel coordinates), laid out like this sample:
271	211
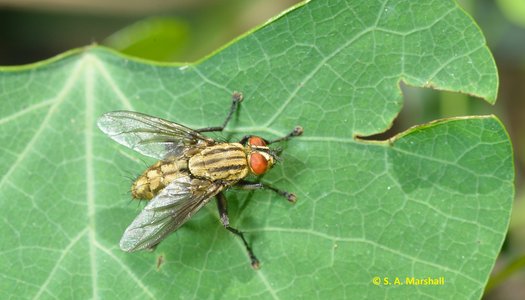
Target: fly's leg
223	213
297	131
248	185
236	99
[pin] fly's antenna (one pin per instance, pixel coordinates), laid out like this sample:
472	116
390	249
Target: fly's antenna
273	152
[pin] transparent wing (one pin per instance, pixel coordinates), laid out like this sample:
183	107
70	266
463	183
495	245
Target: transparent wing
149	135
171	208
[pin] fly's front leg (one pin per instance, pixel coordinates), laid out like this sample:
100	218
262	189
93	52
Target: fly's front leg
297	131
223	213
248	185
236	99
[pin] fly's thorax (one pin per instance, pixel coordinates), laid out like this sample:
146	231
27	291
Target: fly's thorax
226	161
157	177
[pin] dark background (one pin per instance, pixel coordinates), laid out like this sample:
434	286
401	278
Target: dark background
187	30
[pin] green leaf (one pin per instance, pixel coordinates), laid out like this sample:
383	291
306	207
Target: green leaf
432	202
158	38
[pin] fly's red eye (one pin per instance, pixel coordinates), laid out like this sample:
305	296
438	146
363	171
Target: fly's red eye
256	141
258	163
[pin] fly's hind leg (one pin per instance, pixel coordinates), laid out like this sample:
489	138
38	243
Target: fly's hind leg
248	185
236	99
223	213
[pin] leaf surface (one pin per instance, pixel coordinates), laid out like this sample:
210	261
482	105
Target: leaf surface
432	202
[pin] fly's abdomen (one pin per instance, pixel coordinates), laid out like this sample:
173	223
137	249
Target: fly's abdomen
220	162
157	177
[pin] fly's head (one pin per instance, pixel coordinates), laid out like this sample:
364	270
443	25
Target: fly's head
260	157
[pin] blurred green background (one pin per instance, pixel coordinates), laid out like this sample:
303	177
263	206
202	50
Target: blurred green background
189	30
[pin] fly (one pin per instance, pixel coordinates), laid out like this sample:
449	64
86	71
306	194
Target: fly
192	169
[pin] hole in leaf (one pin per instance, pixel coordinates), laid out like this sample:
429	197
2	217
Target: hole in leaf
423	105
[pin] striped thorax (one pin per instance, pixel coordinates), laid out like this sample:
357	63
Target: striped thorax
225	162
